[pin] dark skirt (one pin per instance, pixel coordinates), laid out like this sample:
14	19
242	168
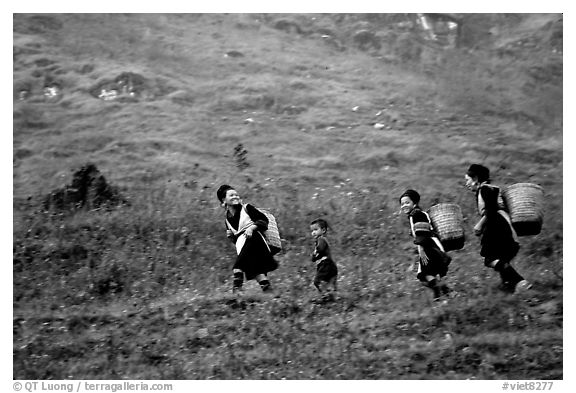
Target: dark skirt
325	271
438	260
255	258
497	240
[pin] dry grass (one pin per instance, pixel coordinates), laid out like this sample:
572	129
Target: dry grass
159	268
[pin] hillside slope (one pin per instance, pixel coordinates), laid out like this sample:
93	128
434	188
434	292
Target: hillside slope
308	117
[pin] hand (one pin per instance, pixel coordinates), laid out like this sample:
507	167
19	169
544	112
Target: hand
478	229
249	231
423	256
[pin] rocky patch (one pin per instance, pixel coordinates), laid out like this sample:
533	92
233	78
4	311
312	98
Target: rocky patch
130	86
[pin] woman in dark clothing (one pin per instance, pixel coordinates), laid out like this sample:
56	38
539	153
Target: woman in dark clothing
245	227
434	261
499	244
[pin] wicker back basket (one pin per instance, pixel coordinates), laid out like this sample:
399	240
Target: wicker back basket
447	221
525	204
272	234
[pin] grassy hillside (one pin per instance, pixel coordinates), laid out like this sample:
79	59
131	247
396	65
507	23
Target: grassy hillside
303	118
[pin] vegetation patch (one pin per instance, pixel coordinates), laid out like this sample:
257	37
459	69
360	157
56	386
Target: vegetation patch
88	189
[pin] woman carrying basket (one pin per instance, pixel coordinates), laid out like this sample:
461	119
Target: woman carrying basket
245	226
433	260
499	244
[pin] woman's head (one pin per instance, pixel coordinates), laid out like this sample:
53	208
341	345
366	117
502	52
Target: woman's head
318	227
408	201
227	195
476	175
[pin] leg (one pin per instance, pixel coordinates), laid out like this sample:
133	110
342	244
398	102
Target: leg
326	291
238	280
443	287
264	282
509	276
505	285
334	284
331	288
515	279
432	283
322	286
317	285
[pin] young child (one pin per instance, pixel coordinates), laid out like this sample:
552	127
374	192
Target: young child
326	270
499	244
433	264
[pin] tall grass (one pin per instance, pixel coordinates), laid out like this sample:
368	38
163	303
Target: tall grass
171	245
142	291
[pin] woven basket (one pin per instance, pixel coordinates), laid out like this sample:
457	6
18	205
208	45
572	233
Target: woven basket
272	234
447	223
525	204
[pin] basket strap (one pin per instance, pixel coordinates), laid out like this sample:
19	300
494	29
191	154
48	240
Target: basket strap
438	243
428	217
245	221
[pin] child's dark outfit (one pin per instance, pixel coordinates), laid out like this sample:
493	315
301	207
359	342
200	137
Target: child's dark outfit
499	244
438	259
254	255
326	269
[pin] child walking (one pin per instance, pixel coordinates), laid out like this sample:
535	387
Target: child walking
434	261
499	244
326	269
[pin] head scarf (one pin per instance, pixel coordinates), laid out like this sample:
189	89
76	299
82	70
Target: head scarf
479	171
413	195
222	190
